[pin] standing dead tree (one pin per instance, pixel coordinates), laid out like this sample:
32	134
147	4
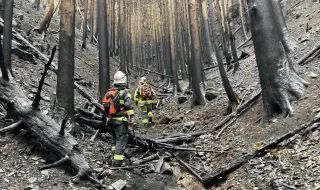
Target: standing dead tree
280	83
85	23
104	62
65	80
44	24
196	65
172	47
91	20
209	48
7	34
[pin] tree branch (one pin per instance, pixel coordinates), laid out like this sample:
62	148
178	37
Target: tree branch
304	58
36	101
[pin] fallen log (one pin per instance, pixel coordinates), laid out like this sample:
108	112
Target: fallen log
45	129
146	159
239	111
229	168
243	43
241	57
148	70
194	173
302	60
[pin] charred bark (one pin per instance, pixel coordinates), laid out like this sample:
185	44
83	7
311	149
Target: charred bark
85	28
232	96
91	20
172	48
209	50
7	34
2	8
196	65
280	83
4	71
44	24
104	65
65	79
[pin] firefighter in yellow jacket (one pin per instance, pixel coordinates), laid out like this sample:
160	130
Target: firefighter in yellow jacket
118	108
144	96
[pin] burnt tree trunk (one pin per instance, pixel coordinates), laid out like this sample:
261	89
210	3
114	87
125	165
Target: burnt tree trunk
7	34
3	67
280	84
104	66
91	20
85	28
2	8
172	48
121	37
207	40
232	96
196	65
65	79
44	128
44	24
289	42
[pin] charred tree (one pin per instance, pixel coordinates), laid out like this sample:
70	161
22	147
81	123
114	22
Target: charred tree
196	65
172	48
104	65
234	100
280	83
85	23
91	20
65	79
3	67
207	40
2	8
121	36
44	24
7	34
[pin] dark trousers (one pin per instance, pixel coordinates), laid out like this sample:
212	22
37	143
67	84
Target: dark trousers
119	138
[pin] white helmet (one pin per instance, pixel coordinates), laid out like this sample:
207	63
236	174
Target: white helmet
120	78
143	80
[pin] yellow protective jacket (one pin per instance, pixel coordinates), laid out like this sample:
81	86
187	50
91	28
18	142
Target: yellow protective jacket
138	95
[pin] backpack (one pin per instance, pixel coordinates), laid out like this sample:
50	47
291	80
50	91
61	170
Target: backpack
146	92
111	102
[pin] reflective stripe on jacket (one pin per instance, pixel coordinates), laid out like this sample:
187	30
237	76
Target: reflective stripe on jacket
138	98
125	99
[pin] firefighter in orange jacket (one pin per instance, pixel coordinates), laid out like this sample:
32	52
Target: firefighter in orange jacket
144	95
118	106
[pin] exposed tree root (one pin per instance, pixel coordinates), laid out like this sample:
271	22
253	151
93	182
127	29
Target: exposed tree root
289	87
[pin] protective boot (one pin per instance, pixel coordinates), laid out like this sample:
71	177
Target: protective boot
117	163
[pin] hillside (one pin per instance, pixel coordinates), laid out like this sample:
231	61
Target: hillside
293	164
